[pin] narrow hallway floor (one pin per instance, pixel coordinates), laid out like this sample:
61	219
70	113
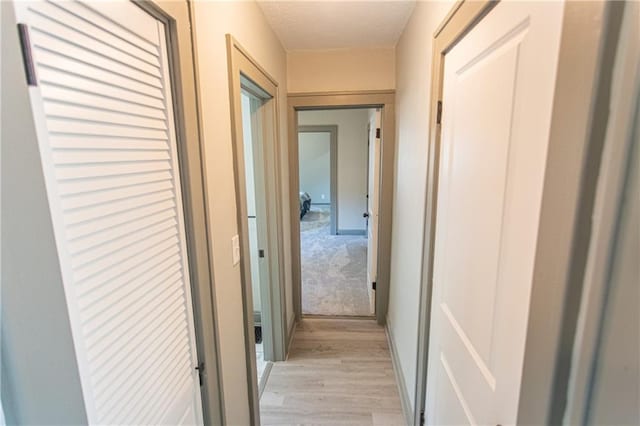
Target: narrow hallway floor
334	268
339	372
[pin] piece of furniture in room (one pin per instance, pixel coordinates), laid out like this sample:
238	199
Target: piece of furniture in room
305	203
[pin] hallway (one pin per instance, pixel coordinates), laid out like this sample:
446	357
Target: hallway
338	372
473	165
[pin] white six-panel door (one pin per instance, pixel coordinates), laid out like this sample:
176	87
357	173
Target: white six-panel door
498	92
103	108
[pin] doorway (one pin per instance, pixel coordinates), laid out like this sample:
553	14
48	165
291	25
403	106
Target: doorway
318	149
258	247
252	101
377	130
333	152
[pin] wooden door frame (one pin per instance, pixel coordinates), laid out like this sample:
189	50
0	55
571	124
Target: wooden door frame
333	154
384	99
565	211
242	66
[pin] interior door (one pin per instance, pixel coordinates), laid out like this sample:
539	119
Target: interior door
498	93
372	206
102	104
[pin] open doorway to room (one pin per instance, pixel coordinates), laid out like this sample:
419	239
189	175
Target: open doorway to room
258	247
338	159
256	212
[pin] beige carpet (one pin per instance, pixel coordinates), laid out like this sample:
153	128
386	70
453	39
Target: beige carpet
334	268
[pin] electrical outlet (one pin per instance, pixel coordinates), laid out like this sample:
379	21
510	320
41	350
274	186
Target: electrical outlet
235	246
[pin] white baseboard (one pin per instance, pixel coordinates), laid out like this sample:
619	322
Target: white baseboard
407	409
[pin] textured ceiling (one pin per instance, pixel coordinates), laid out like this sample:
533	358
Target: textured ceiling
330	24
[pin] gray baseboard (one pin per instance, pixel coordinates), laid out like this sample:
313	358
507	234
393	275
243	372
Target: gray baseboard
407	409
352	232
292	332
264	378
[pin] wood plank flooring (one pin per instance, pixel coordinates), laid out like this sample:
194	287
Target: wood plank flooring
339	372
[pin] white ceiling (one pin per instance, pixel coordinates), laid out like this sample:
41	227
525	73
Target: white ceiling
330	24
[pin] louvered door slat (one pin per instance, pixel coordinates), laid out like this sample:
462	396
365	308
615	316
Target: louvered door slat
70	202
105	295
99	115
117	170
59	38
101	273
80	245
89	213
98	225
99	103
115	335
123	244
67	13
86	127
108	148
59	61
104	143
138	356
165	386
124	341
110	255
81	83
84	156
87	185
109	386
118	20
124	336
145	291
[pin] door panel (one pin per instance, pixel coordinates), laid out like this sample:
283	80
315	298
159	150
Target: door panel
498	93
106	132
372	207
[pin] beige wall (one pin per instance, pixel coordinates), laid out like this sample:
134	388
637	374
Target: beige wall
341	70
352	161
413	73
245	21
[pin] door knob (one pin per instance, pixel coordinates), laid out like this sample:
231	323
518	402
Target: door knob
365	215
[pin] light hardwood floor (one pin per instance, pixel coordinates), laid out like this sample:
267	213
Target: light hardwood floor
339	372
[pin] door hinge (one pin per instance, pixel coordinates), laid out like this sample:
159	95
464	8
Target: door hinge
200	370
378	133
439	113
373	285
422	418
27	57
261	253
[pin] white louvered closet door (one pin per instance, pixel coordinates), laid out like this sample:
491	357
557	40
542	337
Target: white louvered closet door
107	139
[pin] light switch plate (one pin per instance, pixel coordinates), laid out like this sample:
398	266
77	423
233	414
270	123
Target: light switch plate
235	245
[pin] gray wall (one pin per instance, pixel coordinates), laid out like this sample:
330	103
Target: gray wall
615	396
40	380
314	155
352	161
